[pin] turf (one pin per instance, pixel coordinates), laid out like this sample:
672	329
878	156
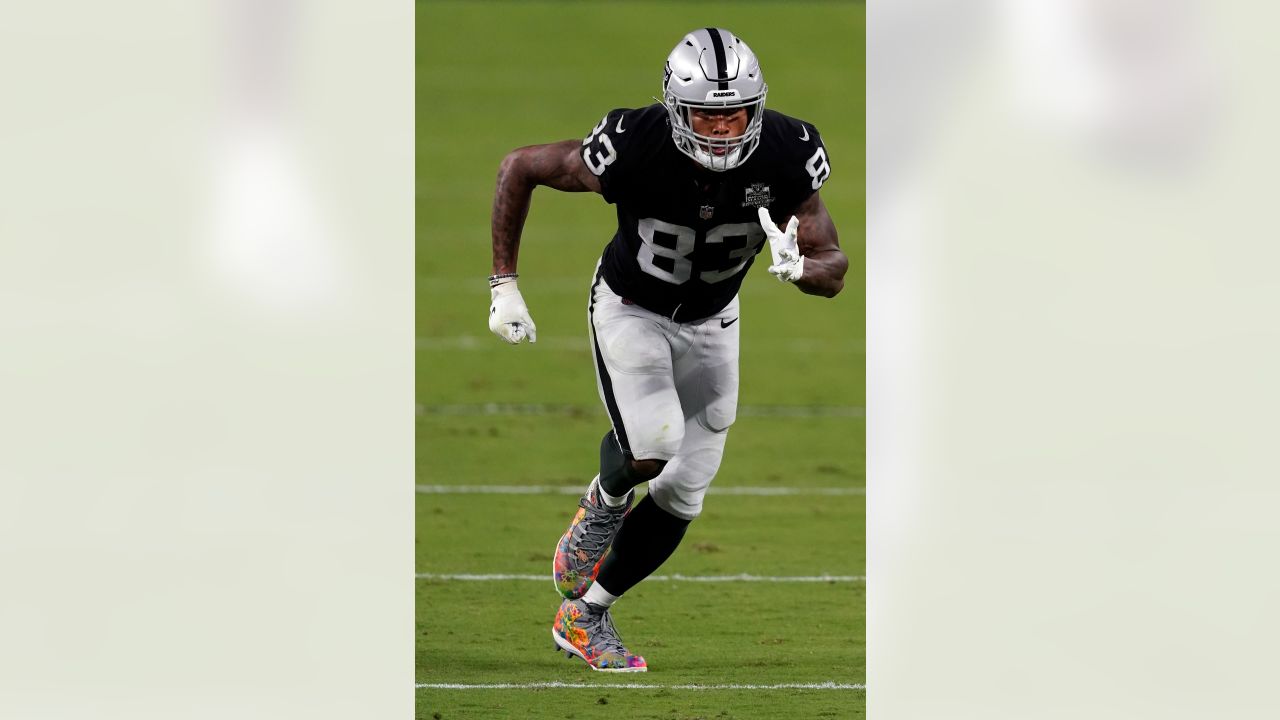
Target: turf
493	76
819	452
791	638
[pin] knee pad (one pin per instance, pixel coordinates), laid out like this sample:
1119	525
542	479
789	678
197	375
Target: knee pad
684	481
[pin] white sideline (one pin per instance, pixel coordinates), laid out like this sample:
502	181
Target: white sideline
549	409
640	686
575	490
658	578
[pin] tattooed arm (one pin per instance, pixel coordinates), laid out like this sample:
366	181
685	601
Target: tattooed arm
557	165
824	263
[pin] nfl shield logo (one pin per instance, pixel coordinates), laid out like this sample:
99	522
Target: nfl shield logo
706	212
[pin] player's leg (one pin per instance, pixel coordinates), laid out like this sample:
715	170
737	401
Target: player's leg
635	377
648	535
707	383
620	472
636	380
656	525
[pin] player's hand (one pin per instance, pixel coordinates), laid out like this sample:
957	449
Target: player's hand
508	316
788	263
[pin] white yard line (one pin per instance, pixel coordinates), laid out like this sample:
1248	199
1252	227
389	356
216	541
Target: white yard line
638	686
550	409
800	345
546	577
577	490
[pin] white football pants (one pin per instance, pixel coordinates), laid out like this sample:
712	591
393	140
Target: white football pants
671	390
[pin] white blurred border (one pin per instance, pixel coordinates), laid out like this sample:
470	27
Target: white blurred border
1072	302
206	313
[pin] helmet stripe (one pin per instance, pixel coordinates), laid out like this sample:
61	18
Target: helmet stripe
722	65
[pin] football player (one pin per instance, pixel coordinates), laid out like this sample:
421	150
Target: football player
699	182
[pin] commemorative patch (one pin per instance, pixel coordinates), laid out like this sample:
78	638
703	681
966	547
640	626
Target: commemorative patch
758	195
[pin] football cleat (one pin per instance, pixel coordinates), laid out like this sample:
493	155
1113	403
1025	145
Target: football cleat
586	543
587	631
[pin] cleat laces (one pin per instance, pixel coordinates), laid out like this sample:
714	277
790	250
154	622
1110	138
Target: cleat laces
597	528
602	632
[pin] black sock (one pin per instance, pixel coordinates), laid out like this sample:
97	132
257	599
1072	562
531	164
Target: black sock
646	539
617	477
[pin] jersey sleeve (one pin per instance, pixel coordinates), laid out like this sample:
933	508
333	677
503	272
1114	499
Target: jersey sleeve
817	164
807	164
604	150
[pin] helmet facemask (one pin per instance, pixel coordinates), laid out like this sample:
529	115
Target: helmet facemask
718	153
712	70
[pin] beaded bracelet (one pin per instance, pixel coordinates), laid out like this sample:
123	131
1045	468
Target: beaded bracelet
496	280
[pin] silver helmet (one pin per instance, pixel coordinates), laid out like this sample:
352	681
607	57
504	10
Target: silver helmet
712	69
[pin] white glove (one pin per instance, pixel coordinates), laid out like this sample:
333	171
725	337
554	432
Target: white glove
788	263
508	316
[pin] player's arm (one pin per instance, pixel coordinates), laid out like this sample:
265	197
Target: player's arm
824	262
808	252
556	165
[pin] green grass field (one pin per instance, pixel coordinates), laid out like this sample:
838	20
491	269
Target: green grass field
494	76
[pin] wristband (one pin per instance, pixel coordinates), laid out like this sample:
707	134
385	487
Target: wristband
496	280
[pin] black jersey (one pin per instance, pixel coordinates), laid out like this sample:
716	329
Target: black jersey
686	235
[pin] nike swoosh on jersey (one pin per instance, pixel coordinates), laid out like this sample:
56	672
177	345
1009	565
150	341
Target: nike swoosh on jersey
805	136
727	323
619	129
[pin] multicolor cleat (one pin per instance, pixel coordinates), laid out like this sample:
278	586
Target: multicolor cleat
584	545
587	631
